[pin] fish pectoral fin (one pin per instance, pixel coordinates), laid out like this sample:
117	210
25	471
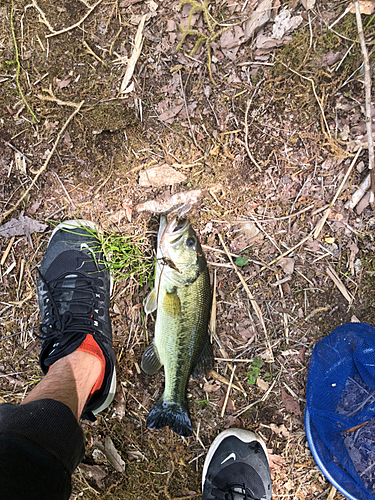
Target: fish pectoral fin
150	360
205	361
172	304
151	302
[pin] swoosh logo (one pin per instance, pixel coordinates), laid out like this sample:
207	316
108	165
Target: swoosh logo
232	455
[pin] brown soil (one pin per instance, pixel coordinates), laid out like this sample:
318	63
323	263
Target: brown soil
305	121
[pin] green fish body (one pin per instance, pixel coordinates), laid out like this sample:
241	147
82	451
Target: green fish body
182	298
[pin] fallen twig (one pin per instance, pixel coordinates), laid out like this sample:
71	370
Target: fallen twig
187	113
228	392
359	193
356	427
91	52
287	252
247	127
69	28
323	220
315	94
45	164
285	315
340	285
223	380
213	309
367	83
52	98
18	64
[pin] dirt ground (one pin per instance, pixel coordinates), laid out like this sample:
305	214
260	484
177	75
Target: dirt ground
260	122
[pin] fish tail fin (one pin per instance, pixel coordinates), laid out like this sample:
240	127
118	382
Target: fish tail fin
171	414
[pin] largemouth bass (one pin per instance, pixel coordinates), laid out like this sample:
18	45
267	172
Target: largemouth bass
182	299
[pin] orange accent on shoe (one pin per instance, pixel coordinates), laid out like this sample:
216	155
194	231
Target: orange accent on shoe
90	346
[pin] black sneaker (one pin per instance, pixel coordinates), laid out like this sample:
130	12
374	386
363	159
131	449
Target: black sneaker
74	289
237	468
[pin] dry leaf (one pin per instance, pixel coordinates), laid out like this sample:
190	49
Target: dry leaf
159	206
260	16
136	455
137	48
280	430
366	7
62	83
287	265
230	41
161	175
230	404
265	42
308	4
24	225
168	115
290	404
111	453
119	407
94	473
284	23
117	217
211	387
276	461
263	384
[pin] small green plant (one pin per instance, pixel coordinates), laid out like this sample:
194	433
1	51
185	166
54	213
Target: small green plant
128	255
241	261
203	403
257	370
253	373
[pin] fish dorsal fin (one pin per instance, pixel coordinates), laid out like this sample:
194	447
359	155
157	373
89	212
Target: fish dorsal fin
151	302
150	360
205	361
172	304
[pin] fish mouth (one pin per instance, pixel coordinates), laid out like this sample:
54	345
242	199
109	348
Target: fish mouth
174	231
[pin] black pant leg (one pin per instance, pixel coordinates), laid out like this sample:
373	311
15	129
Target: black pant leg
41	444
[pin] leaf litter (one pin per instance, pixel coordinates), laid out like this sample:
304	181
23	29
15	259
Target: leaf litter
175	114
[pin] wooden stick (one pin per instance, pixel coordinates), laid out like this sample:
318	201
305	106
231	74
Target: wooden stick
340	285
69	28
227	394
247	127
45	164
323	220
367	83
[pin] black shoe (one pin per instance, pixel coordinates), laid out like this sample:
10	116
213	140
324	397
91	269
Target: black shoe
236	468
74	289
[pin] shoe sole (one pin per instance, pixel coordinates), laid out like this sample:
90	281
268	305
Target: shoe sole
111	395
242	434
69	224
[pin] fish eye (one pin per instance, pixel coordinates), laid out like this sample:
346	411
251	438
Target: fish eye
190	242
